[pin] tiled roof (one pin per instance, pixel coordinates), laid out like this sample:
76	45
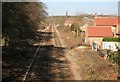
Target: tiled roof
99	31
106	21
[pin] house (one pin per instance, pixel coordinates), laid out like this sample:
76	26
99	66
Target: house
96	34
103	27
107	21
86	24
69	22
84	27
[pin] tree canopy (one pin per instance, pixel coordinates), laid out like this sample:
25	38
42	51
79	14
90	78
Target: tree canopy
76	28
21	20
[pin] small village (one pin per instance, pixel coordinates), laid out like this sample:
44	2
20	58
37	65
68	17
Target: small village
97	29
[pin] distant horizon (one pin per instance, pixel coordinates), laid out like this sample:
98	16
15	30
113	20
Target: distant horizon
75	8
87	14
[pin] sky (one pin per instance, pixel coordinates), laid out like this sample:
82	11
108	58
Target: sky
74	7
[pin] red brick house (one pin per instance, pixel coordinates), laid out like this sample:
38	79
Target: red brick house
97	33
107	21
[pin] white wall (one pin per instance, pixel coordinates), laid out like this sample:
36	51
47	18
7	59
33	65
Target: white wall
110	45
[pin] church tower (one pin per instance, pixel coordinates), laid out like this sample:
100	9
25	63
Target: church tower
66	14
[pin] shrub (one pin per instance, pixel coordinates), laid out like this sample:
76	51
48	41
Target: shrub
114	56
111	39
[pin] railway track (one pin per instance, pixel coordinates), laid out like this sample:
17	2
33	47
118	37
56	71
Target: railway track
63	66
49	62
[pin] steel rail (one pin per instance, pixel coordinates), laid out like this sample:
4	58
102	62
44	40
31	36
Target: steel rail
30	65
41	58
60	45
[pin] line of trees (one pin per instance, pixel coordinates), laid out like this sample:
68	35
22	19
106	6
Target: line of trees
20	20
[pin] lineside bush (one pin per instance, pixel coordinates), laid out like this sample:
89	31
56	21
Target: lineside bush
111	39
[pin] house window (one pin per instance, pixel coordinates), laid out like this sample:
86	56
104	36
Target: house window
114	26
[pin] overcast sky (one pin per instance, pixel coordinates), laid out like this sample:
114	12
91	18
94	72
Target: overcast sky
75	6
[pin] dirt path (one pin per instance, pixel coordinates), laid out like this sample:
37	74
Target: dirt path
73	66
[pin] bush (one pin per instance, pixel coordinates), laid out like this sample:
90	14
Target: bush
114	56
113	39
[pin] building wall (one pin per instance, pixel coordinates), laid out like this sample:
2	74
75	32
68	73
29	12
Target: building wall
110	45
95	39
84	27
68	24
114	29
